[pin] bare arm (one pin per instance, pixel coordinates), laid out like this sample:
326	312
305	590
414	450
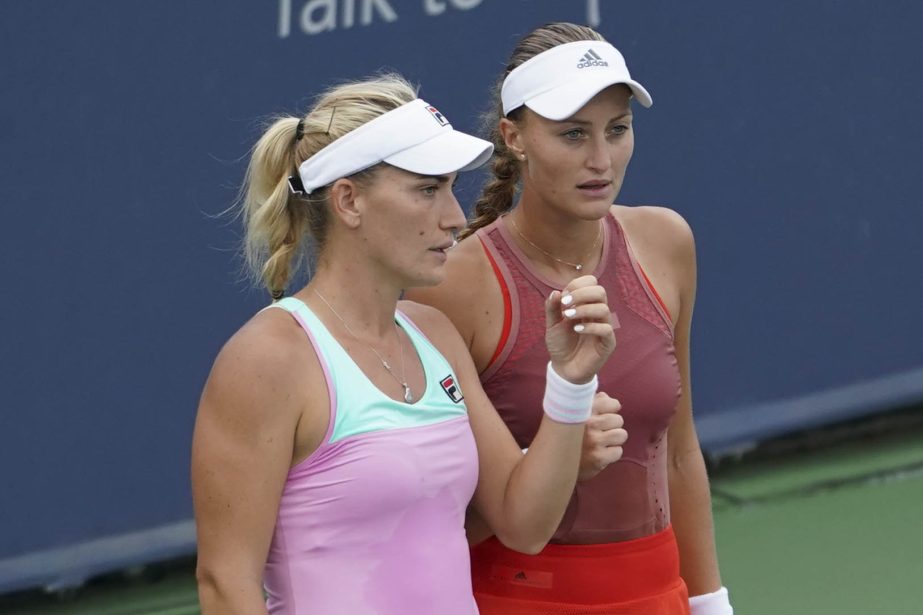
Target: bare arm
523	497
242	449
690	499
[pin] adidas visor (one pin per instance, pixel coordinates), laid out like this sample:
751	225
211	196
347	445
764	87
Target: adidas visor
415	137
559	82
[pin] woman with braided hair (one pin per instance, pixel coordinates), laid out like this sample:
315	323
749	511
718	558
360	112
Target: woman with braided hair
342	432
637	536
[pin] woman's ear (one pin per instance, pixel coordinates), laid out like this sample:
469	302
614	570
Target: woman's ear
512	137
344	197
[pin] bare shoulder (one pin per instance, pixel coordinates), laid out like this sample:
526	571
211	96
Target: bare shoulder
267	343
263	363
656	228
663	244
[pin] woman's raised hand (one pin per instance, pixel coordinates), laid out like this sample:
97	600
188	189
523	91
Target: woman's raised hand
579	333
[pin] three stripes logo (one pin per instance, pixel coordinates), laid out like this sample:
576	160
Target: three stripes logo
451	388
530	578
591	58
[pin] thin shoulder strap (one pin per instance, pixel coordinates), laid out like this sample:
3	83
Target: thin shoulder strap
312	327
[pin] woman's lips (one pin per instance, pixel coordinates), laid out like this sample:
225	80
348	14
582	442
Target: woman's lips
594	188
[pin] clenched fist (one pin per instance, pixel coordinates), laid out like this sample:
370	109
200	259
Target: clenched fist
603	437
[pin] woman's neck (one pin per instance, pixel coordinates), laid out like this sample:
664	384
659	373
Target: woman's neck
555	236
355	297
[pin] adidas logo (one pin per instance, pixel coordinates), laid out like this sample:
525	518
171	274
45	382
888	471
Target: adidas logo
591	58
521	576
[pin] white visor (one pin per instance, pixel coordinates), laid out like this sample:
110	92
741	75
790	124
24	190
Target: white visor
558	82
414	137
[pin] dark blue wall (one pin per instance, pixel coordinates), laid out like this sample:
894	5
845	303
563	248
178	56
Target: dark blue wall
788	134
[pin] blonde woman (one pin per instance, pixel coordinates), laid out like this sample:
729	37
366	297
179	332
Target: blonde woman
637	535
342	432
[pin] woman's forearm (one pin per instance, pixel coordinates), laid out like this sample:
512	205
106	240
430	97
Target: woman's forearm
691	516
541	486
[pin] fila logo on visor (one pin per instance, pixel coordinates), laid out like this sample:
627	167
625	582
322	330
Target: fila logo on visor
439	117
591	58
451	388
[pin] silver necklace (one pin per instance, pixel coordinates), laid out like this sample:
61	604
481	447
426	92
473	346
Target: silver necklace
577	266
408	395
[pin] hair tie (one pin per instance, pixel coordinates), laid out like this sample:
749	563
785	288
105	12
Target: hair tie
299	131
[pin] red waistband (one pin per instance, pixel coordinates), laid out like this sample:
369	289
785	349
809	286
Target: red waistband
580	574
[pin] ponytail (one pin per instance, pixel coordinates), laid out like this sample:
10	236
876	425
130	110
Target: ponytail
498	194
284	229
275	219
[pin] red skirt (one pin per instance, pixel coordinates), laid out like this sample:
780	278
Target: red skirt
635	577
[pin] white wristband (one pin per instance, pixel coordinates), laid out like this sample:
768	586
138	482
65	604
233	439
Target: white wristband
715	603
566	402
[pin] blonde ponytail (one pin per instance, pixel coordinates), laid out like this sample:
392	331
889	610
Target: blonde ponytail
274	223
283	229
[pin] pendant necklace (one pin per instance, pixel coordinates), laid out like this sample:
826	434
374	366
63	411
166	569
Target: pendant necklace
408	395
577	266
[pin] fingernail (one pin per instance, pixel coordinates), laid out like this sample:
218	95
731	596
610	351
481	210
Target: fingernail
567	299
579	328
570	312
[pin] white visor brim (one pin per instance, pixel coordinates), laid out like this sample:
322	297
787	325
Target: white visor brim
415	137
567	99
445	153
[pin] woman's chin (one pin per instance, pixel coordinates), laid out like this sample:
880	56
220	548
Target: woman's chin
428	278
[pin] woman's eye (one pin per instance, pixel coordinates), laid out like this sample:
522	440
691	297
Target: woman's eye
429	190
619	129
574	134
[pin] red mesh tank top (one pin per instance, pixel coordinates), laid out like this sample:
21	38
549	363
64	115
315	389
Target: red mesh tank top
629	499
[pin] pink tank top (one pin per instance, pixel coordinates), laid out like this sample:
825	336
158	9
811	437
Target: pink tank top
372	522
629	499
